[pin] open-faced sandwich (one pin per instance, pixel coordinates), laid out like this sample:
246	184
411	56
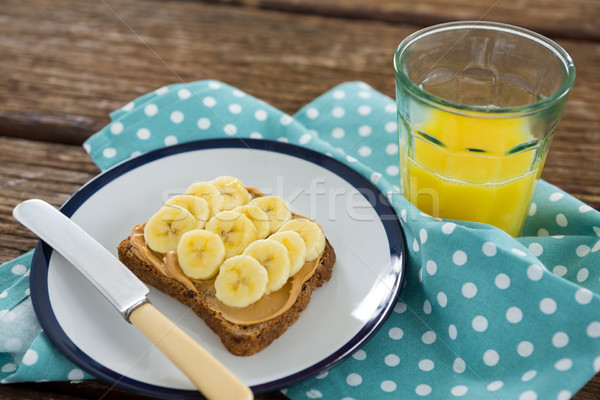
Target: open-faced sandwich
244	262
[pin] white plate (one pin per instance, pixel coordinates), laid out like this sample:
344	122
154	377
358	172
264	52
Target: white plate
343	313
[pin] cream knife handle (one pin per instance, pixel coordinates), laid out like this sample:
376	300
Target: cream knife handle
210	376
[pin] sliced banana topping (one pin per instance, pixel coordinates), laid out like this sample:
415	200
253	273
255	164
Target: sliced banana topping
241	281
258	217
251	246
311	233
235	229
209	193
164	229
196	205
295	246
200	254
277	209
233	192
274	257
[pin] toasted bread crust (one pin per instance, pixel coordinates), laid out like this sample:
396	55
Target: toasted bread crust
239	340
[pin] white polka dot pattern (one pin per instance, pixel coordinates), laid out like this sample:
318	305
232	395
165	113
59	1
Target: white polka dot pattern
20	332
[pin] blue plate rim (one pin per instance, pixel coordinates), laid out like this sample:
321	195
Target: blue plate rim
392	226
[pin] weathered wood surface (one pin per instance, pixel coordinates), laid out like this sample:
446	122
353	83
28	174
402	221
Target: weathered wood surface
81	62
578	19
89	389
66	64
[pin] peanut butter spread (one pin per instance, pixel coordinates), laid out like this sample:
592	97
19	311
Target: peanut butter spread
268	307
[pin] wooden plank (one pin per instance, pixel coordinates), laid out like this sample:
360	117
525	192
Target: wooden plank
577	19
88	389
590	391
52	172
68	64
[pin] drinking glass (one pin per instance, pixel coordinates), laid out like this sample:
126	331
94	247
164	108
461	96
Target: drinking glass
478	104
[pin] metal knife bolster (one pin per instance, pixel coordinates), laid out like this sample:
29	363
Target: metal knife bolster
126	312
117	283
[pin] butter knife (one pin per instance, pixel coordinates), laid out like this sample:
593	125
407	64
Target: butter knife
129	296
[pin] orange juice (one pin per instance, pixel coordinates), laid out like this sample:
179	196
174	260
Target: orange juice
478	103
469	167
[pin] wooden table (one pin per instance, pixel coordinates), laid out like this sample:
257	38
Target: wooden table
67	63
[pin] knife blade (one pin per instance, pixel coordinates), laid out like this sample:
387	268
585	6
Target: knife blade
129	297
117	283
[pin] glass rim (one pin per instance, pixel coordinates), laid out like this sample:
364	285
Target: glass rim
460	108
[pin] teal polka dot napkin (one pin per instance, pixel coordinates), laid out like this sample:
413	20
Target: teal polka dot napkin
26	353
482	315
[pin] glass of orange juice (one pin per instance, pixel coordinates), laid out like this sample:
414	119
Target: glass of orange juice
478	104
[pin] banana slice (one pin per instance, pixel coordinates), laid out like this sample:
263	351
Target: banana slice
277	209
235	229
200	254
295	246
274	257
258	217
241	281
311	233
164	229
196	205
233	192
209	193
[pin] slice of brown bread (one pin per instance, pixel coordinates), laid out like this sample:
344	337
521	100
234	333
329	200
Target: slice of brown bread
239	340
